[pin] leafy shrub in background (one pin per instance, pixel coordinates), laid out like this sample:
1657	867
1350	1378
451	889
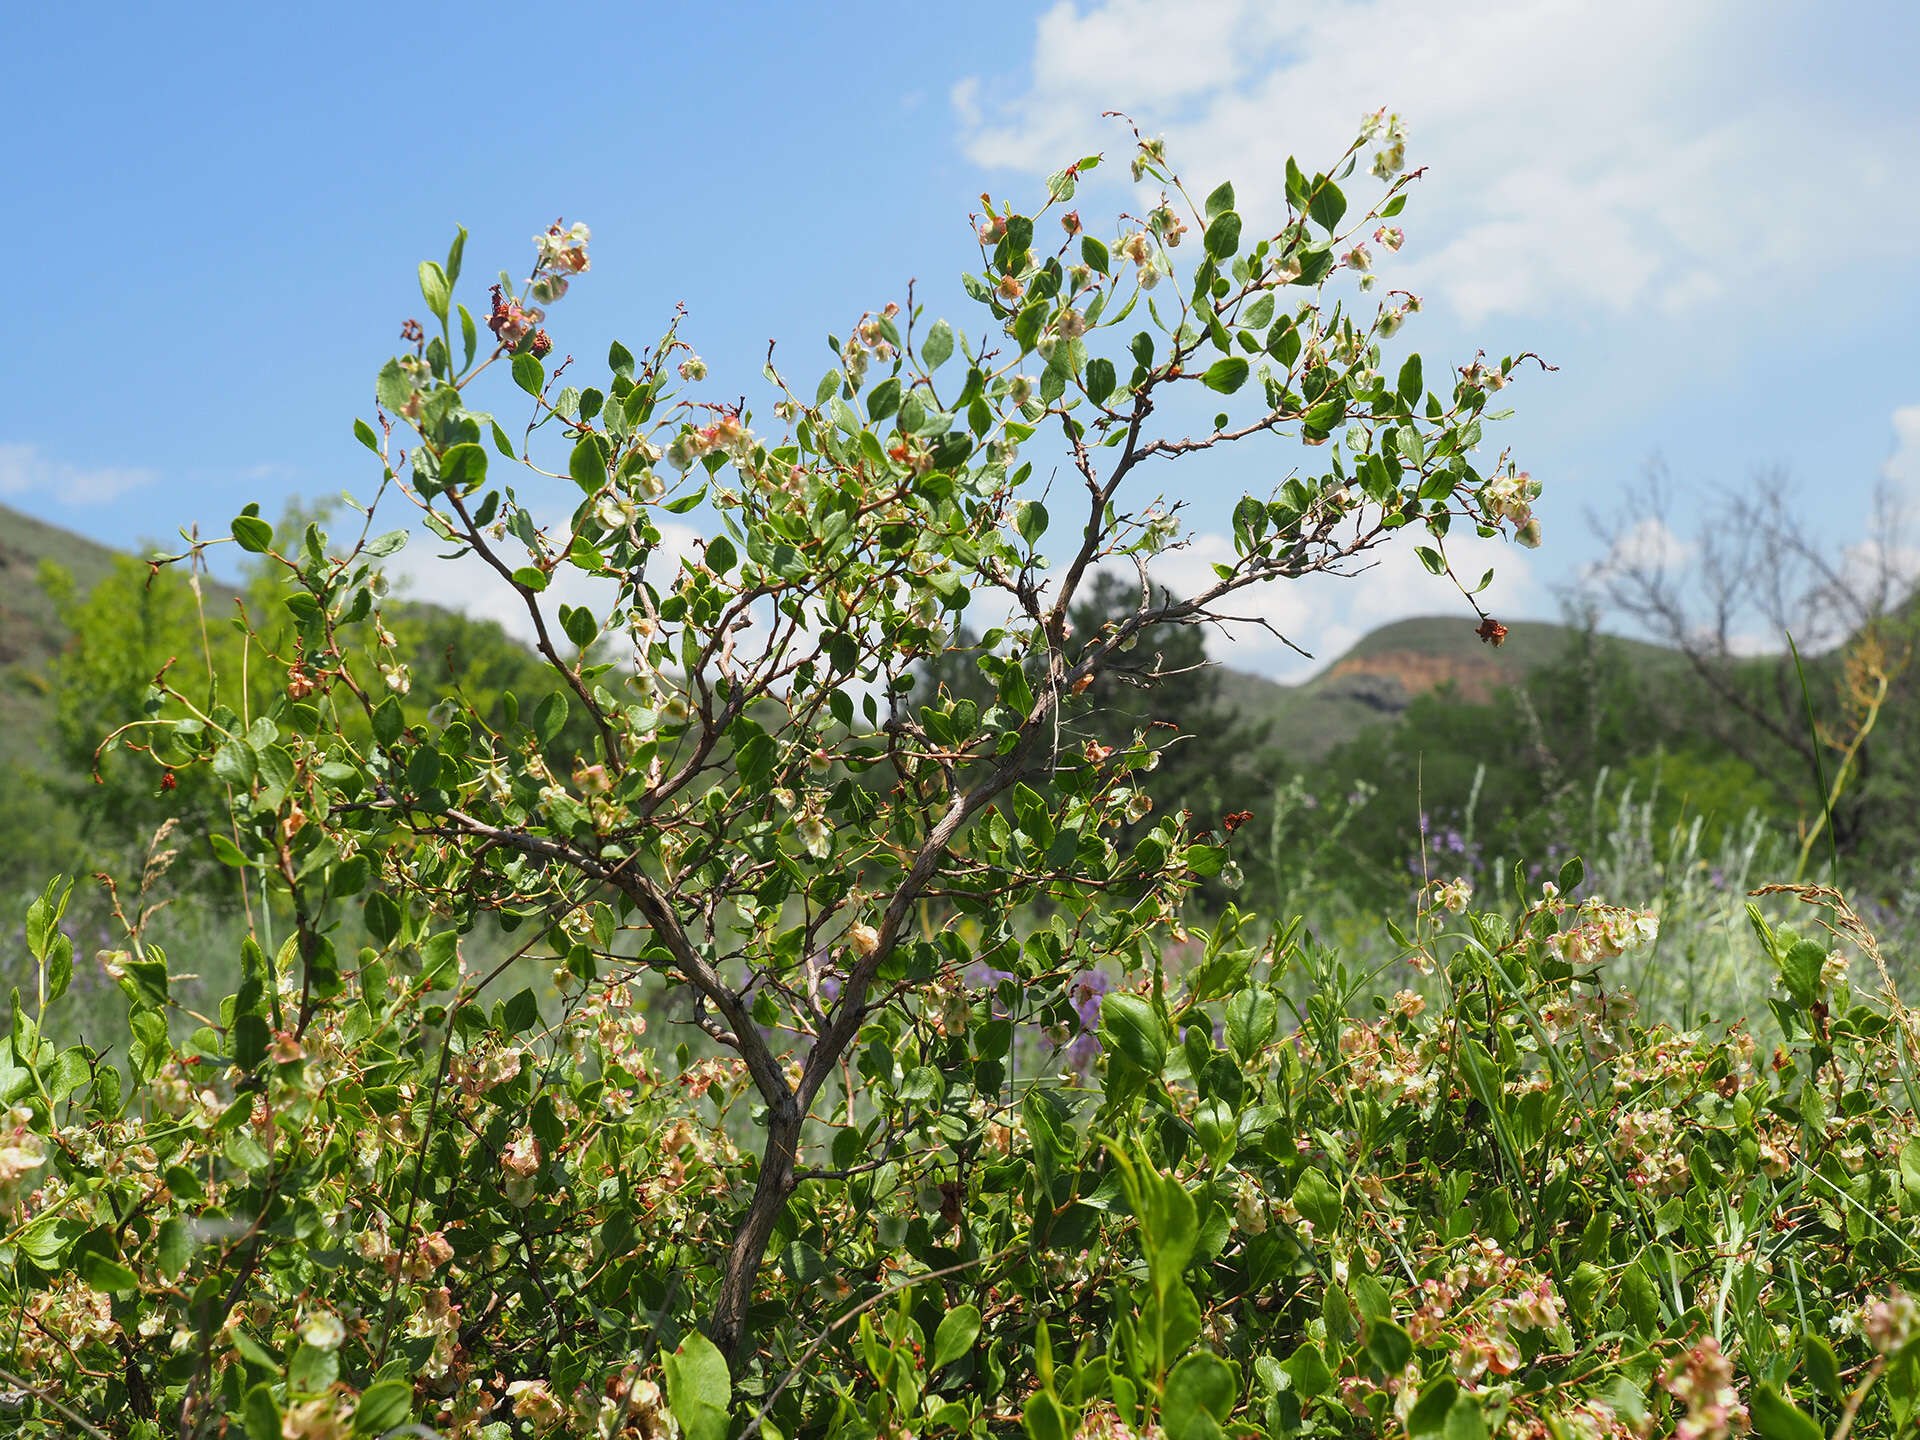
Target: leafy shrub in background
368	1191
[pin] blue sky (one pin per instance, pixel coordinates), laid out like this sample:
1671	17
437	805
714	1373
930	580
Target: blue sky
1699	212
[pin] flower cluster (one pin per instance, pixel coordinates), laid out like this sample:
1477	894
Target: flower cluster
562	254
1701	1378
1600	932
1390	132
1510	498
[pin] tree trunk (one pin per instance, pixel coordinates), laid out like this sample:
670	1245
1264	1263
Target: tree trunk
729	1326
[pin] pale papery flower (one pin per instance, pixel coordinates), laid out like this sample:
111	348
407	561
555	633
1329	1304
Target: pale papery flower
1890	1323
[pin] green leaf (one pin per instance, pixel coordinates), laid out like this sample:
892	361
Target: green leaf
1315	1198
1389	1346
262	1414
882	401
529	374
1031	521
1026	329
388	721
1199	1397
383	1405
938	346
1434	561
1823	1366
225	851
1130	1027
1100	380
588	463
1800	970
391	388
522	1012
1221	200
958	1329
1464	1421
434	288
699	1389
423	769
106	1274
46	1239
383	917
175	1245
1430	1410
1411	385
1045	1418
1327	205
550	716
1226	376
388	544
252	534
59	969
1093	253
1253	1015
463	469
312	1370
1307	1368
1223	235
1326	415
1777	1418
363	432
234	762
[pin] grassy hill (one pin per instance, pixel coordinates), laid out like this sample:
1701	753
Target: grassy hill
1382	674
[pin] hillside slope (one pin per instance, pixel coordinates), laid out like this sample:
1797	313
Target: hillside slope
30	630
1374	681
1382	674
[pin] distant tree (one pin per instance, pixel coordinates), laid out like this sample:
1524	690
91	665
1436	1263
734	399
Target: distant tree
1755	574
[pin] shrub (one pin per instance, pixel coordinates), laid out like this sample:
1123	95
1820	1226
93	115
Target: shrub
367	1190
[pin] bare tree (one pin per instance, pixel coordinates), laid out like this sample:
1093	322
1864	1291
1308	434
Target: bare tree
1755	572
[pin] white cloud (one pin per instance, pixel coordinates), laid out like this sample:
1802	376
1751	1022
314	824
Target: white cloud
1619	157
1902	469
1326	614
1651	545
472	587
25	471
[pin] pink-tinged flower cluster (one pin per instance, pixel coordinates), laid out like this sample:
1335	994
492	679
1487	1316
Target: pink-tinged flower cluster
1702	1380
1510	497
521	1162
510	321
1891	1323
1382	1061
1648	1145
22	1152
562	255
725	436
1602	932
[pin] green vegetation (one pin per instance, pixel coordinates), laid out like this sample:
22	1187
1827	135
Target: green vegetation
765	1007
